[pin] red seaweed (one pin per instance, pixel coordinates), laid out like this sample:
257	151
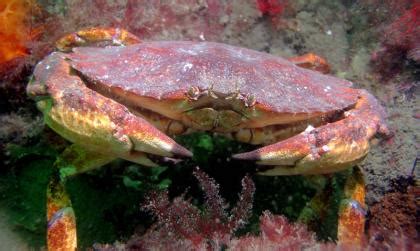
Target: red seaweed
271	7
400	42
180	224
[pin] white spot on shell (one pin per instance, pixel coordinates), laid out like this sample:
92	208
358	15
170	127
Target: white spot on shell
329	32
309	129
312	157
202	36
117	42
47	67
325	148
190	52
187	66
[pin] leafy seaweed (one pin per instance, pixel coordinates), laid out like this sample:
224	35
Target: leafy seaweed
18	152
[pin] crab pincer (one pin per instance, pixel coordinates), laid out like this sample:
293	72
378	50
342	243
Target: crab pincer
328	148
94	121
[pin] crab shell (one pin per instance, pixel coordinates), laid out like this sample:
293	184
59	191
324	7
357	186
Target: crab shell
122	101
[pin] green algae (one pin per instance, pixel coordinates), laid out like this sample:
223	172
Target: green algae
107	201
106	209
24	199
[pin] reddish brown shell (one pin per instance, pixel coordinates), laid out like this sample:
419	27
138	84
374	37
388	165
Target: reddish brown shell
167	70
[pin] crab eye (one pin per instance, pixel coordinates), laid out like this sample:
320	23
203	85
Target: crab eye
249	100
212	94
193	93
234	95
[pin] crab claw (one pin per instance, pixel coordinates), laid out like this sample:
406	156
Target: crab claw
146	138
89	119
328	148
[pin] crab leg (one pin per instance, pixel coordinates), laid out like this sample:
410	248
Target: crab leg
328	148
115	36
311	61
61	231
350	194
351	220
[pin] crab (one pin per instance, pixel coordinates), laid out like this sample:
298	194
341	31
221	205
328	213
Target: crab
128	100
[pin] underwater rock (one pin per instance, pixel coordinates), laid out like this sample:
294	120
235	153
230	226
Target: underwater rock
398	212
